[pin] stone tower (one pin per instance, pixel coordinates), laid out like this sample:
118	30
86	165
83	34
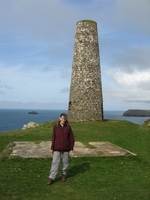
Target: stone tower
85	101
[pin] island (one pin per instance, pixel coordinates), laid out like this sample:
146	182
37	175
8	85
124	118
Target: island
137	113
32	112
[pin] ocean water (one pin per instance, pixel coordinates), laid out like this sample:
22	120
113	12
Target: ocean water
14	119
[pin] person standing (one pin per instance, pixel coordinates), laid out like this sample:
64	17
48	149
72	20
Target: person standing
62	144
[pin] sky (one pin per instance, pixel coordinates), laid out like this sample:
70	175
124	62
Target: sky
36	52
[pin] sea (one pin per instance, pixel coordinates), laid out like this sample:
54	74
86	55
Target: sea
14	119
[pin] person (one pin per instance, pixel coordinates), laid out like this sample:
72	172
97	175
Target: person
62	145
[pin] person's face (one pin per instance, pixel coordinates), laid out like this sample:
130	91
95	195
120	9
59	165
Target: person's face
63	119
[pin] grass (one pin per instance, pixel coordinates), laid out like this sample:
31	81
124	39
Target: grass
105	178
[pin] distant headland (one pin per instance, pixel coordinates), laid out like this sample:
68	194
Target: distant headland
137	113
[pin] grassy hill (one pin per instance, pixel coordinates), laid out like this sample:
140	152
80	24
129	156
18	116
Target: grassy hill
105	178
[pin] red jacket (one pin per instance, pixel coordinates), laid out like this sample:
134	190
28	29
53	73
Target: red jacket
62	138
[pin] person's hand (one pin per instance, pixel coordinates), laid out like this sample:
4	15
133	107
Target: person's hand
51	150
71	153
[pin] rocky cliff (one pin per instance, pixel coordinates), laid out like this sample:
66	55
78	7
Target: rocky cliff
137	113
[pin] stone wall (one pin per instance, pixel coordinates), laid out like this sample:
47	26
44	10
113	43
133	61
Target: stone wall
85	101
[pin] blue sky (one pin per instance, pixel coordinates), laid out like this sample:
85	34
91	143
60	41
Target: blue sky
36	51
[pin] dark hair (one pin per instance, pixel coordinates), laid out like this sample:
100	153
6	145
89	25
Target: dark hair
63	114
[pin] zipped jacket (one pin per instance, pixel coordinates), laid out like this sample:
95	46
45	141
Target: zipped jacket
62	138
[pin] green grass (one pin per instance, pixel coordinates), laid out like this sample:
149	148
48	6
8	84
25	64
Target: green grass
105	178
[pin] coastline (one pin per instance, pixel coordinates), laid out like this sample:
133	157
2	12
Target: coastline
14	119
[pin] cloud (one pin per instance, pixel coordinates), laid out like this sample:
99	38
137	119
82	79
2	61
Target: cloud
40	19
131	79
133	15
31	84
19	104
130	88
133	58
37	33
4	87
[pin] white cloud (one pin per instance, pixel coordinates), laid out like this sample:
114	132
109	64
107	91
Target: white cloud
132	79
126	89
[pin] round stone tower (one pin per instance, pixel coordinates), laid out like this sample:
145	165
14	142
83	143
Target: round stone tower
85	101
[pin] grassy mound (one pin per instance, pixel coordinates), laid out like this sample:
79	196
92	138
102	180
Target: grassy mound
102	178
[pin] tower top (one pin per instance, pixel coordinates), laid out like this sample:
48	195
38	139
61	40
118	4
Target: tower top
88	22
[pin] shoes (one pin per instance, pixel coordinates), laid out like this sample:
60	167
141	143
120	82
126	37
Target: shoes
50	181
64	178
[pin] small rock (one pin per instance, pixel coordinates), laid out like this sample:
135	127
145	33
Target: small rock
32	112
30	125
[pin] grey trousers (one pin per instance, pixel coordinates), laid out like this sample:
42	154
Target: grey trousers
56	162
